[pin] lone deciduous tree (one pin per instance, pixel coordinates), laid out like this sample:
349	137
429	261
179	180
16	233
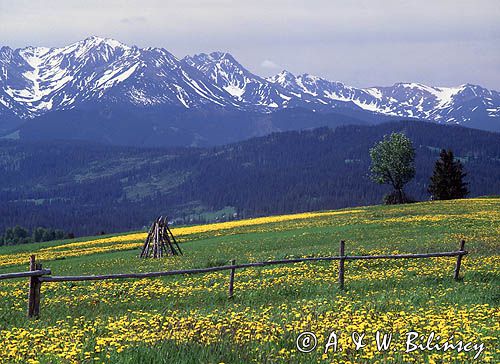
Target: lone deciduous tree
447	182
393	162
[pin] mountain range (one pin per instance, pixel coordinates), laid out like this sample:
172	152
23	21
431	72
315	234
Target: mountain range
98	82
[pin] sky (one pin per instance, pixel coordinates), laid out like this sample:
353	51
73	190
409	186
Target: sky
359	42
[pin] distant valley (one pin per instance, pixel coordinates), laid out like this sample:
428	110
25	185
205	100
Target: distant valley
86	188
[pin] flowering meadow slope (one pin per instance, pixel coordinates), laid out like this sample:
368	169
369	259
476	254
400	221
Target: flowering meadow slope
190	319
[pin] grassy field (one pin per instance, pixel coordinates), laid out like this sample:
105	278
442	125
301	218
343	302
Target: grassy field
189	319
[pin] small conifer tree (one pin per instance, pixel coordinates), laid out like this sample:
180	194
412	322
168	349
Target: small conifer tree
447	182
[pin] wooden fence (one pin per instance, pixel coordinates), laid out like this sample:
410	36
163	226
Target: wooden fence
37	275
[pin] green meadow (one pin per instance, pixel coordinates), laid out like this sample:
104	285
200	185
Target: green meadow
190	319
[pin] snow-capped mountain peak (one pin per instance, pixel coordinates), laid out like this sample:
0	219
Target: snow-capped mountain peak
247	89
284	78
96	40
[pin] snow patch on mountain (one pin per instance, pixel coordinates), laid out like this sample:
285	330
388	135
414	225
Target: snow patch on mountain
111	77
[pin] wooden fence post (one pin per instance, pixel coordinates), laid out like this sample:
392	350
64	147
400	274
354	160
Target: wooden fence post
459	261
341	264
34	290
231	279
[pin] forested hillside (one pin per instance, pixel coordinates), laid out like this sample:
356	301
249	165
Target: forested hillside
88	188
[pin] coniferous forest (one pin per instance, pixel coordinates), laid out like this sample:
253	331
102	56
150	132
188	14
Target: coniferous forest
86	188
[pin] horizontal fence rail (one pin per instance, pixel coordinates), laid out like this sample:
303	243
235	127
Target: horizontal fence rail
241	266
407	256
38	275
35	273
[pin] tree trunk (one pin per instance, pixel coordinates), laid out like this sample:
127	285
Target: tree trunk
400	196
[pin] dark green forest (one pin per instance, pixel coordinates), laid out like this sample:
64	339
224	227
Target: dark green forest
87	188
20	235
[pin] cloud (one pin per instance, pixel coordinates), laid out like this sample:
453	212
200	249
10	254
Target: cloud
134	20
267	63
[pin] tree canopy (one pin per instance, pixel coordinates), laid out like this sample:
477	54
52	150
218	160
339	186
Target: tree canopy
393	163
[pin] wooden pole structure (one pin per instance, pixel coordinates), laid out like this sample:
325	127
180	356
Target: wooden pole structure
34	290
231	279
175	241
459	261
341	264
160	240
155	241
145	247
167	239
